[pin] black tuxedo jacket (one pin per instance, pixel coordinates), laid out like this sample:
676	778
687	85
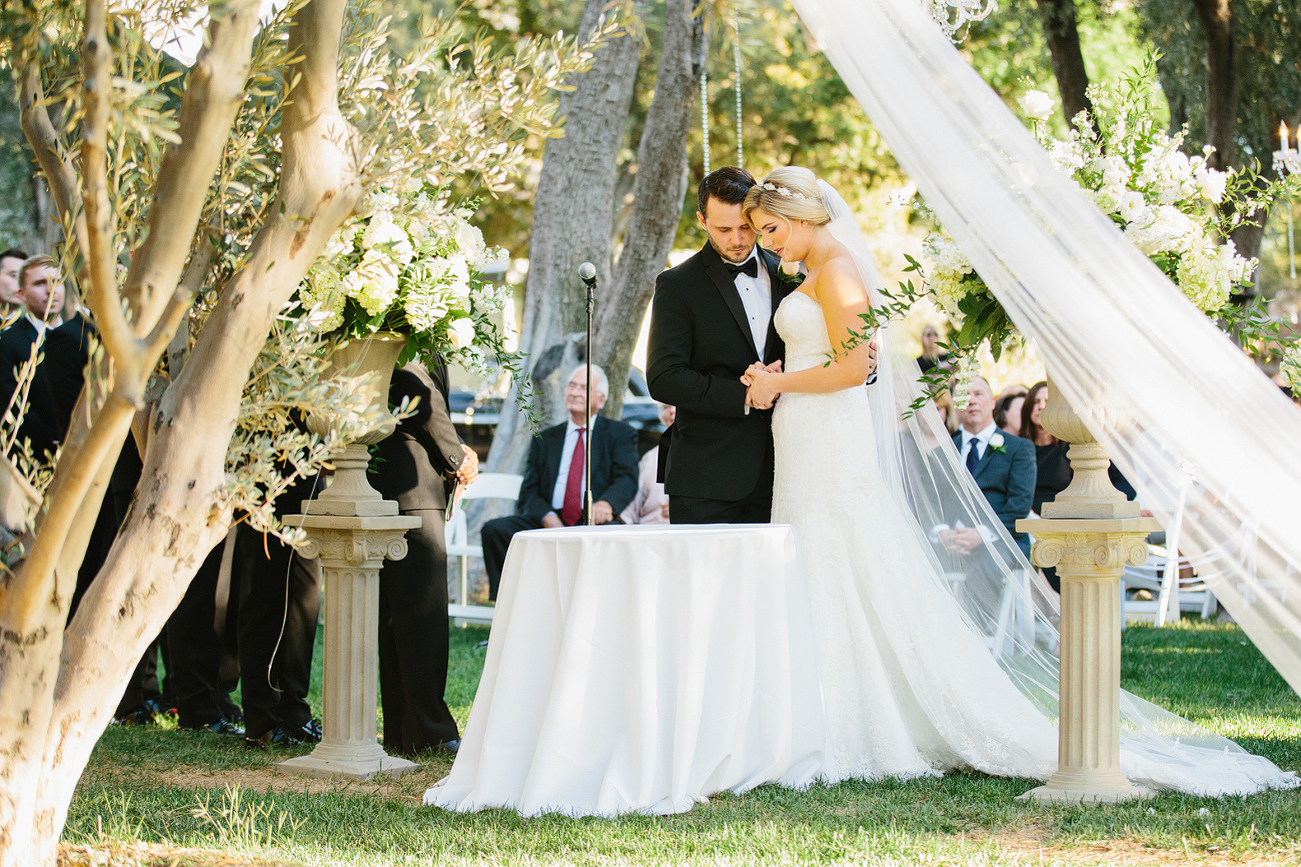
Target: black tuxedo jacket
1007	480
413	461
614	467
700	345
41	423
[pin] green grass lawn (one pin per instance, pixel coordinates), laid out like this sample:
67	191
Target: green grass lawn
201	800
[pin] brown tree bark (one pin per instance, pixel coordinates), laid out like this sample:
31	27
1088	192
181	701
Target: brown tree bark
660	185
1221	80
572	213
1063	36
572	223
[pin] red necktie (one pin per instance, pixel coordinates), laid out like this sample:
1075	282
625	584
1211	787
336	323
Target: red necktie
572	510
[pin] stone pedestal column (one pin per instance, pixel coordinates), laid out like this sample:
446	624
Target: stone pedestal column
352	551
1089	532
353	530
1090	555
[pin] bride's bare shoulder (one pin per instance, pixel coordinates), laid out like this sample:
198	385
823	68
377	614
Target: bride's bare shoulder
839	279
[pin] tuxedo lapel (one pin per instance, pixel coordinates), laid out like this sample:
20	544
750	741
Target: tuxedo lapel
726	285
779	289
554	439
984	461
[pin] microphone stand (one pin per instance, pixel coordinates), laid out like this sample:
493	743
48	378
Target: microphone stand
590	282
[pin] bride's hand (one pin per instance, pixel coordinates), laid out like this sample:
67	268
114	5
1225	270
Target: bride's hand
763	390
748	377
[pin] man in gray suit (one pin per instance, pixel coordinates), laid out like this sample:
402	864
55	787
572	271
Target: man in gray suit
1003	466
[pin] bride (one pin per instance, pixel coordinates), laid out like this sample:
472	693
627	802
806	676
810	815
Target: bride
909	683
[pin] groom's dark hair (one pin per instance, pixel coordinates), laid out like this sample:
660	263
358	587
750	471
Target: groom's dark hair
728	184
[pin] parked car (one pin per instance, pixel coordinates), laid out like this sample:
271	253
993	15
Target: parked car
476	420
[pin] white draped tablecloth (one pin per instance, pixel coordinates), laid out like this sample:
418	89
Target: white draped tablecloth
642	669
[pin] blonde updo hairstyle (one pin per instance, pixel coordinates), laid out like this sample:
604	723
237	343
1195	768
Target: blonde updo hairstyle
791	193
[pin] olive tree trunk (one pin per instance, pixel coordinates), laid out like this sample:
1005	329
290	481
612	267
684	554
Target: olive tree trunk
53	682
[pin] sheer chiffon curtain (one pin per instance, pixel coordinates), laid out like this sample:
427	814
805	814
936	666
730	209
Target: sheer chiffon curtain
1182	410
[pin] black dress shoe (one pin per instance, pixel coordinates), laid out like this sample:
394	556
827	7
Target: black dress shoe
308	733
448	748
284	736
134	718
220	727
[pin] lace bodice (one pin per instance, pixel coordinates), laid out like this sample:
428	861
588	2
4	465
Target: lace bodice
803	327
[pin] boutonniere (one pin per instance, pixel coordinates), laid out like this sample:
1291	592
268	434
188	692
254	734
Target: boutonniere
996	443
790	273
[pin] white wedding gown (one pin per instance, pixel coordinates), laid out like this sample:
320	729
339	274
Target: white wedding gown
908	689
909	686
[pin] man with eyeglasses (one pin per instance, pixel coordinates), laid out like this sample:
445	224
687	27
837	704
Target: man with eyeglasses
552	493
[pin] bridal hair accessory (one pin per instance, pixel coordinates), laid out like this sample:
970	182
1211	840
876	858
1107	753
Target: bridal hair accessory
783	191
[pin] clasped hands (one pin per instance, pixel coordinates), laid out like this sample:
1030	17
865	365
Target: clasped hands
761	391
962	540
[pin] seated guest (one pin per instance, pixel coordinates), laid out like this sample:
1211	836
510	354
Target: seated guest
11	296
1054	473
931	356
651	505
552	492
1007	411
1003	466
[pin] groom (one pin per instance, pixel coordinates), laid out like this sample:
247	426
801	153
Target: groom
712	319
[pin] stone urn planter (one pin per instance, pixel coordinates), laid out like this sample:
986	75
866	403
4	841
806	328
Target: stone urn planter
349	493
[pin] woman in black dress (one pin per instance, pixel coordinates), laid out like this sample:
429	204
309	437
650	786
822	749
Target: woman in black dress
1054	467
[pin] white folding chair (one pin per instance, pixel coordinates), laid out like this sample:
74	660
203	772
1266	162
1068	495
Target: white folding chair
1160	575
487	486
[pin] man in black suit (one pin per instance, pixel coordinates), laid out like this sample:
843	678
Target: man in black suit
551	494
1002	464
419	466
42	291
277	596
11	296
712	319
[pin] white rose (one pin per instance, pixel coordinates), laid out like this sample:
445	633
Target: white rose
469	240
460	333
1036	104
1132	206
996	441
1211	183
386	236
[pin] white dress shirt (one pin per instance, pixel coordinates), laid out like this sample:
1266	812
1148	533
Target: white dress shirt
756	297
38	324
978	441
566	458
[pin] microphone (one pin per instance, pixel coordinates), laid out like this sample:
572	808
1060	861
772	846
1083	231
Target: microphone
588	272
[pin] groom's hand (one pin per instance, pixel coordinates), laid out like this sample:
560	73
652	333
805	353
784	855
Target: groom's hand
871	357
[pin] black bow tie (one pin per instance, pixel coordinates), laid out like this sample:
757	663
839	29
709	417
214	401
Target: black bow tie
749	266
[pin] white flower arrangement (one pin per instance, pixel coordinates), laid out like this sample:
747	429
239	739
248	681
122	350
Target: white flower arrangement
1160	196
1163	199
414	267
